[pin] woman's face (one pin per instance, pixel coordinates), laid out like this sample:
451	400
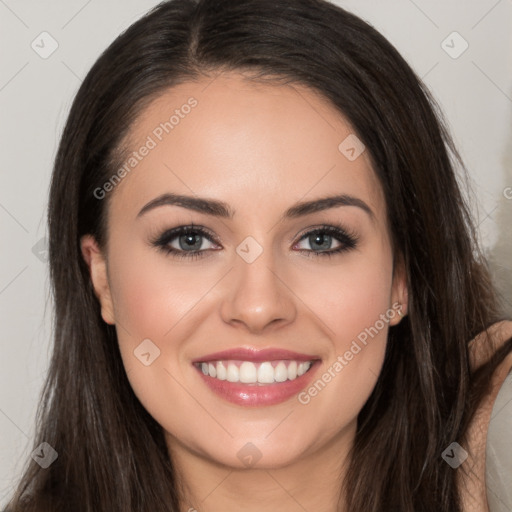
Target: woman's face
264	284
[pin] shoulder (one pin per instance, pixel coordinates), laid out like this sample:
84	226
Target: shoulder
498	460
483	434
483	346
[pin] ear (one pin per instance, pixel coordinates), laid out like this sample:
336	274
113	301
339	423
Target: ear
399	292
97	264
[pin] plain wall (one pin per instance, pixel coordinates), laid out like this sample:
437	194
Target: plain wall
474	90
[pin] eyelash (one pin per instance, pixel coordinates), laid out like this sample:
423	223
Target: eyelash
347	239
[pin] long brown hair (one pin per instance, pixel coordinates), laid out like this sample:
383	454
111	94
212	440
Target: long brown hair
111	452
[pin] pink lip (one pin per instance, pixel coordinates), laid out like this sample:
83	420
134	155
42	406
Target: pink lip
255	355
254	395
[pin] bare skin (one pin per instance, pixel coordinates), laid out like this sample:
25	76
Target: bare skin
260	148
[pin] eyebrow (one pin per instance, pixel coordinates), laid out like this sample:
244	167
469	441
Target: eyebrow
223	210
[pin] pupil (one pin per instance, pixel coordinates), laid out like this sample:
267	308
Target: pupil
324	238
191	240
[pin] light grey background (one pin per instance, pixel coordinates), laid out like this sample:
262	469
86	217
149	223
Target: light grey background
474	90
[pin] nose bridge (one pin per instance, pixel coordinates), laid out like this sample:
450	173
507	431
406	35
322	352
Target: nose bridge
257	295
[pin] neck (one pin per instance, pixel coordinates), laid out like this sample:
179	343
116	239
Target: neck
312	482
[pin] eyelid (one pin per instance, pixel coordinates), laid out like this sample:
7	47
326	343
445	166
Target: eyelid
346	237
178	230
327	226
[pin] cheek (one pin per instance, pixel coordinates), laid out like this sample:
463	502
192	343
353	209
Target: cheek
152	300
350	296
354	305
151	305
152	295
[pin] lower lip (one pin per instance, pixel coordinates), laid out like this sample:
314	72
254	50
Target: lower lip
259	395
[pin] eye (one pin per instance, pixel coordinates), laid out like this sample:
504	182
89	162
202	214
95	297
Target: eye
189	241
184	241
322	238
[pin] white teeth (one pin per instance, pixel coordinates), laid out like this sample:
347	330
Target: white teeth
303	368
266	373
233	374
292	370
222	373
247	372
280	372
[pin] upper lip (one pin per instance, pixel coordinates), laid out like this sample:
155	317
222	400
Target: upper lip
255	355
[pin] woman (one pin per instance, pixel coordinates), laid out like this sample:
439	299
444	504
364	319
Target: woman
312	349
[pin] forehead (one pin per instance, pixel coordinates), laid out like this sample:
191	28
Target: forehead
232	138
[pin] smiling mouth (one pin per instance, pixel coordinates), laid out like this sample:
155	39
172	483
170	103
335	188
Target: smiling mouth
248	372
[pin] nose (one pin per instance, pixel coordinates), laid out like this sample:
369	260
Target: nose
257	296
